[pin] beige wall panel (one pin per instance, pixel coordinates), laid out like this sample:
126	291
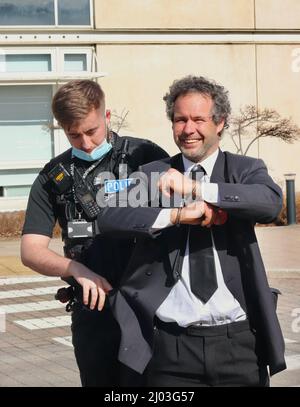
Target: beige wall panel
174	14
277	14
139	76
279	88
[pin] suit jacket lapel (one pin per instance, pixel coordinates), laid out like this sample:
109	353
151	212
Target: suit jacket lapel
177	162
219	169
220	233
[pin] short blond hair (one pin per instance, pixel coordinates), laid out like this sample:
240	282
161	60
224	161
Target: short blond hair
75	100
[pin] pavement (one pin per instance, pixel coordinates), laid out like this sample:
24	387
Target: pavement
35	335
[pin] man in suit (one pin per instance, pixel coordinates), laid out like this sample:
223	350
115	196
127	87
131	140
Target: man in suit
194	305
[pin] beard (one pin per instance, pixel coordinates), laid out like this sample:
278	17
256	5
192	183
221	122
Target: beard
197	153
194	156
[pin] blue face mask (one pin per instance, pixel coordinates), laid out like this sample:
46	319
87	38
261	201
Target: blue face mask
96	154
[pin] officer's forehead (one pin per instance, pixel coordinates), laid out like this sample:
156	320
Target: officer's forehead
91	120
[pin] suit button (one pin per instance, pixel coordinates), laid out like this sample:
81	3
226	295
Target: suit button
148	273
226	197
236	198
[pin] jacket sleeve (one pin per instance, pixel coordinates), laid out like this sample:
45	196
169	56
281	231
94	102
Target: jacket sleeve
130	213
253	196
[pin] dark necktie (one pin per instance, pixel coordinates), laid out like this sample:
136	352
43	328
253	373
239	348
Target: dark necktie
202	264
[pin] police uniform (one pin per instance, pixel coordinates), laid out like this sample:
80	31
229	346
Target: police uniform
95	334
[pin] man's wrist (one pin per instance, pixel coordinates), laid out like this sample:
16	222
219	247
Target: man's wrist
173	215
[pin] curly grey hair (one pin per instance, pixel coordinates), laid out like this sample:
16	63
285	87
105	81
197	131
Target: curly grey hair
188	84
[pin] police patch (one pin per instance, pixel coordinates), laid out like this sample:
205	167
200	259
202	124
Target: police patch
117	185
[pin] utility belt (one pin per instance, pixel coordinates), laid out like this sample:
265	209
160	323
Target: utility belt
74	249
72	295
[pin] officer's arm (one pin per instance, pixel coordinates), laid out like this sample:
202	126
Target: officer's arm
35	253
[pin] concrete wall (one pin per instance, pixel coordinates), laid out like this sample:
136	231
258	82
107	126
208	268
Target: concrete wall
197	14
279	88
140	75
277	14
166	14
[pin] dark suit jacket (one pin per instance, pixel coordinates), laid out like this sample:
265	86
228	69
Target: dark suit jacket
249	195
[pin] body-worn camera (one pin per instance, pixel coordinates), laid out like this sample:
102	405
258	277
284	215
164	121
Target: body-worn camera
61	178
84	191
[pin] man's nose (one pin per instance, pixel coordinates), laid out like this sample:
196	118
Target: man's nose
86	143
190	127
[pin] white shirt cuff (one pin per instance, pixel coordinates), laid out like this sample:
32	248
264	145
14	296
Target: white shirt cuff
163	220
210	193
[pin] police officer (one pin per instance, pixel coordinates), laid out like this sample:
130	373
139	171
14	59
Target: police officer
66	190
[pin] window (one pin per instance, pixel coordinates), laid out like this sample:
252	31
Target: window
75	63
25	114
73	12
28	138
27	12
26	63
16	183
45	12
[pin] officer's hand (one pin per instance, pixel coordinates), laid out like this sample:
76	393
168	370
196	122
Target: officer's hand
94	286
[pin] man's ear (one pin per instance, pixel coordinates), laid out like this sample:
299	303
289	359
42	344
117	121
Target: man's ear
220	127
108	116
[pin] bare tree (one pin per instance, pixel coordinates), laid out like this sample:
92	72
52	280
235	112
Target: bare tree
118	121
253	124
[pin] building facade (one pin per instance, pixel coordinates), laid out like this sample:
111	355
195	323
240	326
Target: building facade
135	49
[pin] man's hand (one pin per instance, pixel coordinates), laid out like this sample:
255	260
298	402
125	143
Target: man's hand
36	254
199	213
94	286
195	213
175	182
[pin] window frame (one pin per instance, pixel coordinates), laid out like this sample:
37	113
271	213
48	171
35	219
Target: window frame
57	73
56	25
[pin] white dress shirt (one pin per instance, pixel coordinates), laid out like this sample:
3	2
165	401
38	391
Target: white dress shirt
181	305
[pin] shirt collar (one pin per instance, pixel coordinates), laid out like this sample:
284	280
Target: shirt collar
208	164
